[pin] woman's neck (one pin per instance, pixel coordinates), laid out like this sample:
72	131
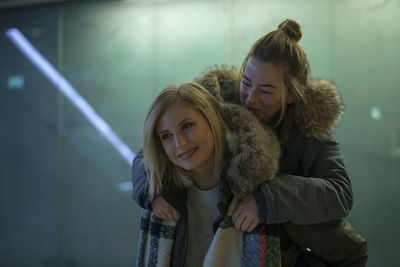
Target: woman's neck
204	179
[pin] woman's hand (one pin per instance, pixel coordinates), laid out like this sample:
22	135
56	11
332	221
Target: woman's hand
245	216
163	210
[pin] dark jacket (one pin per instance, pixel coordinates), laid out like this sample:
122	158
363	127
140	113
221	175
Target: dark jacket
316	168
312	193
315	186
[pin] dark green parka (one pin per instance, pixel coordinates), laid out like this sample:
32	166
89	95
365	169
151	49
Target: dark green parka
312	192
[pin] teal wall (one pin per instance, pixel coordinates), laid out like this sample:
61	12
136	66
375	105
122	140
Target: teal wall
59	199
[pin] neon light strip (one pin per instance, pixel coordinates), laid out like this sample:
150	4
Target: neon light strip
66	88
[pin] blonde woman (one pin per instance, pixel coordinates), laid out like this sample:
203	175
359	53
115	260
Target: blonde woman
200	157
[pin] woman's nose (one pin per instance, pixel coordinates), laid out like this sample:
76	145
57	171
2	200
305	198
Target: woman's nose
180	140
252	96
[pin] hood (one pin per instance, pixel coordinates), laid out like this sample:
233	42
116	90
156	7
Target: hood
316	118
323	110
253	150
221	82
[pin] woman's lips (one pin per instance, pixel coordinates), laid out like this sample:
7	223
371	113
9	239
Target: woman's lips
252	109
187	154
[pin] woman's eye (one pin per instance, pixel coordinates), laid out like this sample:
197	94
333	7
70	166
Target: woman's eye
245	83
187	125
265	92
165	136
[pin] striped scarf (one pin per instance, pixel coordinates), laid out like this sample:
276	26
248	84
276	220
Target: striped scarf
229	247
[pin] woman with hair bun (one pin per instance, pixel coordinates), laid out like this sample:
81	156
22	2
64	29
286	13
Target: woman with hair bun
312	192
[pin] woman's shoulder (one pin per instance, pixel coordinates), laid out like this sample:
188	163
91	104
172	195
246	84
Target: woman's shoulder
301	150
298	140
302	145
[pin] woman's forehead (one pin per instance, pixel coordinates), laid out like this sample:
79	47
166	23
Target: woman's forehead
175	114
262	72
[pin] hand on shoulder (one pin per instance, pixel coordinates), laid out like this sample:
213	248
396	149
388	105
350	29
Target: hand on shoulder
245	217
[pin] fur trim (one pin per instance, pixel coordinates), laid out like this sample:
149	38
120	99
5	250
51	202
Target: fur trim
221	82
323	110
254	151
317	118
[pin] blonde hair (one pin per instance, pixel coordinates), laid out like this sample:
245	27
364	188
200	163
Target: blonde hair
161	173
281	48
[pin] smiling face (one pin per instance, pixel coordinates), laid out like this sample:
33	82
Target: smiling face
186	138
262	89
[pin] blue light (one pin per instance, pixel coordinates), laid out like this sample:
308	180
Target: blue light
125	186
376	113
16	82
66	88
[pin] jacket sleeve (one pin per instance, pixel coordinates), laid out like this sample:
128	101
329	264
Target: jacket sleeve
323	195
139	182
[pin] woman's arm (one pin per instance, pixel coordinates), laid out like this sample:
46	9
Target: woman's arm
324	195
139	182
158	204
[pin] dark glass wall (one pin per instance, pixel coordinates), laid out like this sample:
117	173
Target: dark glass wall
62	195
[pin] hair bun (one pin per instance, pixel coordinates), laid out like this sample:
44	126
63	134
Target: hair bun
291	28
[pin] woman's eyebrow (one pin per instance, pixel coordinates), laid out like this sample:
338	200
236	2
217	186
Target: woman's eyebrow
179	124
261	85
183	121
162	132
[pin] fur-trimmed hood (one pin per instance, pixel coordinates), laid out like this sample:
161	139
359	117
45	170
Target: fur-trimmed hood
317	118
252	152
